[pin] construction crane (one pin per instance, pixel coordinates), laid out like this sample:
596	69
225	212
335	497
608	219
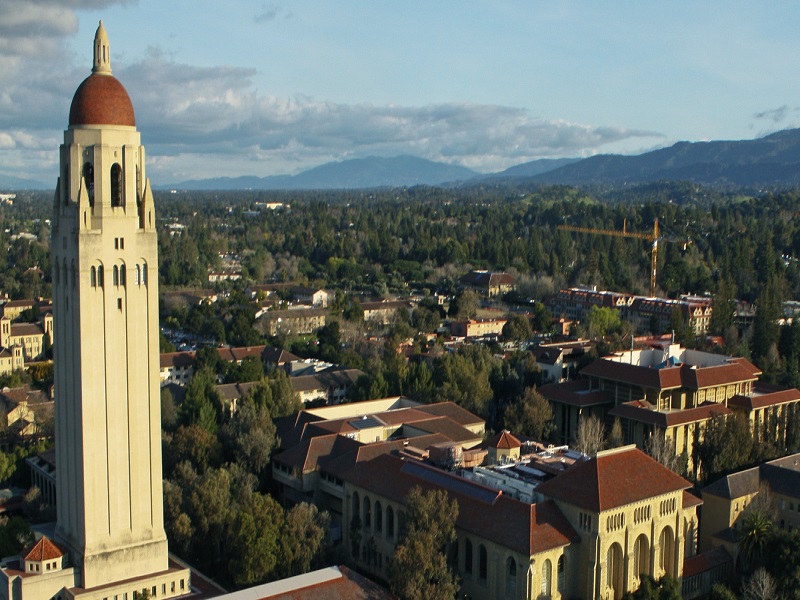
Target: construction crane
653	238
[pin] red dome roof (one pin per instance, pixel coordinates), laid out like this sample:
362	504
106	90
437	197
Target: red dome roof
101	100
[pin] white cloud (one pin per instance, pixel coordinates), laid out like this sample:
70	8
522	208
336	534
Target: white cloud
209	121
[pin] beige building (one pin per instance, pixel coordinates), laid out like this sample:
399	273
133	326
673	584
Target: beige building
489	283
672	392
477	327
109	539
591	533
725	502
33	338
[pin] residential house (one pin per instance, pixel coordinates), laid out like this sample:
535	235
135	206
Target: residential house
489	283
385	311
296	321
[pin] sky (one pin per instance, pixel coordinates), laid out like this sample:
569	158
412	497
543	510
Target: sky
246	87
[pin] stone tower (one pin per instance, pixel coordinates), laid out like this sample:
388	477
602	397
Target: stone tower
105	307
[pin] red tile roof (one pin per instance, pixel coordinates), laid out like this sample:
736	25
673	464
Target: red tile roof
575	393
643	412
504	440
483	511
42	550
613	479
764	398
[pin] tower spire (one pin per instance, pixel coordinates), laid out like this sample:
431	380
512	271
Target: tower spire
102	56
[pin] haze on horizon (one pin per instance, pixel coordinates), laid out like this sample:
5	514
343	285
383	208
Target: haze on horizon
265	88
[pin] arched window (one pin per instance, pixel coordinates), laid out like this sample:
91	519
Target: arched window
378	517
641	556
483	562
511	577
137	274
92	277
367	512
122	271
468	556
389	522
547	579
144	274
100	281
614	570
561	582
88	181
666	552
116	185
115	275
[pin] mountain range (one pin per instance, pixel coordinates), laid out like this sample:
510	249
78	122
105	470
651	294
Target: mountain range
770	161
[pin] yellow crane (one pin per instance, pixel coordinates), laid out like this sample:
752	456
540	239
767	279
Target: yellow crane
653	238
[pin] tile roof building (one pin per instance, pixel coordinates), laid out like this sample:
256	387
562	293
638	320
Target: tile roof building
489	283
653	315
672	392
727	499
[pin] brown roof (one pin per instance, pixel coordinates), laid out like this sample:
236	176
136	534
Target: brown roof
176	359
706	561
523	527
452	411
612	479
763	398
670	377
446	427
690	500
643	412
101	100
504	440
350	586
575	393
22	329
42	550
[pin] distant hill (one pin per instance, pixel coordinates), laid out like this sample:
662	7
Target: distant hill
349	174
533	168
8	182
773	160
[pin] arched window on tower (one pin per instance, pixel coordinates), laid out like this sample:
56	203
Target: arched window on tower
115	275
93	277
100	281
88	181
116	185
144	274
137	274
122	271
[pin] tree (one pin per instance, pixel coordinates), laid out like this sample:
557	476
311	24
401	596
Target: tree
201	404
531	416
303	538
603	321
590	436
659	449
420	570
465	305
517	328
726	444
169	411
754	537
254	541
615	435
760	586
666	588
249	436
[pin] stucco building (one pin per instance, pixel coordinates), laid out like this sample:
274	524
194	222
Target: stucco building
672	392
109	538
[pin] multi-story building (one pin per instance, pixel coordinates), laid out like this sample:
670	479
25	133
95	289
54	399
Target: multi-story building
33	338
293	321
476	328
669	391
385	311
489	283
654	315
726	501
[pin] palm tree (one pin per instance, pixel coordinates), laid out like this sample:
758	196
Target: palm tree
753	538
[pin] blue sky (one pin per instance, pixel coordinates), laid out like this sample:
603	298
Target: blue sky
261	88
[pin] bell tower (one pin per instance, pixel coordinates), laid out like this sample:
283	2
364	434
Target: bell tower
106	352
